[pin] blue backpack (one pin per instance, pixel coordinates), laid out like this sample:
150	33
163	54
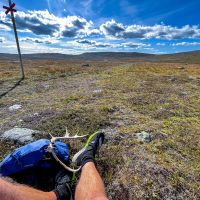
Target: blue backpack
33	155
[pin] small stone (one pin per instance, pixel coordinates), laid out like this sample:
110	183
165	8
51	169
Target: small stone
20	135
192	78
97	91
183	93
15	107
86	65
181	67
144	137
172	78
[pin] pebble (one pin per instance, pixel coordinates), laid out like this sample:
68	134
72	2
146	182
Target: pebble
144	137
97	91
15	107
181	67
183	93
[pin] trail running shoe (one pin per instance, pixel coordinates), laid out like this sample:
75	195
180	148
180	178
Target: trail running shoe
87	154
63	189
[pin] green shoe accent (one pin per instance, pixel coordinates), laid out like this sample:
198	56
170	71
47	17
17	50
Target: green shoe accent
89	139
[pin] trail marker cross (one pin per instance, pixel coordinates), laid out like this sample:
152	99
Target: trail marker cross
12	10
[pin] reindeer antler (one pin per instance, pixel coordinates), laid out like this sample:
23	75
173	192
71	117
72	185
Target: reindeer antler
67	136
51	148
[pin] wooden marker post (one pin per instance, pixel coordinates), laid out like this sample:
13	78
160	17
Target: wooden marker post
12	10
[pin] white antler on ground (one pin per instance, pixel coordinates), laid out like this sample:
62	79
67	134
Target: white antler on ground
51	148
67	136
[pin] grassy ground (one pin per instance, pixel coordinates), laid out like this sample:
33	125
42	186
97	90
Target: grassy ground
122	99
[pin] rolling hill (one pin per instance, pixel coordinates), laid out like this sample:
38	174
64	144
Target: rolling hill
190	57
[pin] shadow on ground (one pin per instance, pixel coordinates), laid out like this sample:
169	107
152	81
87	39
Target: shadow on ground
11	88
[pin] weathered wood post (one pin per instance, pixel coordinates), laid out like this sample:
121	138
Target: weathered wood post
12	10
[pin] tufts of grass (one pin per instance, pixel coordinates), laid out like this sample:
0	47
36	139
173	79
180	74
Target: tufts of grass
78	120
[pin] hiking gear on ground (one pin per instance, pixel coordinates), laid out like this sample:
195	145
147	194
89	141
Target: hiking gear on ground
63	189
87	154
36	164
33	155
51	149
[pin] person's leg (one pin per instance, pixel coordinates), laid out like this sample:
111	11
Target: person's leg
90	186
10	191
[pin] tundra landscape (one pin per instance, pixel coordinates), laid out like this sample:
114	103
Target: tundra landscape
122	96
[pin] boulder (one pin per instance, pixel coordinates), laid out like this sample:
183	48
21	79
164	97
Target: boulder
19	135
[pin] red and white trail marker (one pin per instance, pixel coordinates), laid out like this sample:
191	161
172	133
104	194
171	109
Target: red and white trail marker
12	10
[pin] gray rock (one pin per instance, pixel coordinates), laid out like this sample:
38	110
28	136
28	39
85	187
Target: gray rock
183	93
86	65
192	78
173	78
15	107
144	137
19	135
97	91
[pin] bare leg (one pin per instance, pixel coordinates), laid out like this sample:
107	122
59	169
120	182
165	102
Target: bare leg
9	191
90	186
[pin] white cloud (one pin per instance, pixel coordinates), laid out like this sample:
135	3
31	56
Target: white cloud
112	28
186	44
92	44
39	40
47	33
136	45
27	48
2	39
89	44
44	23
4	27
118	30
161	44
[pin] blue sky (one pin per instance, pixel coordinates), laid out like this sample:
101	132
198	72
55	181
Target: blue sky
74	27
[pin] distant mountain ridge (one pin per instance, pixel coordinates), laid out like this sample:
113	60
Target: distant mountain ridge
192	56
